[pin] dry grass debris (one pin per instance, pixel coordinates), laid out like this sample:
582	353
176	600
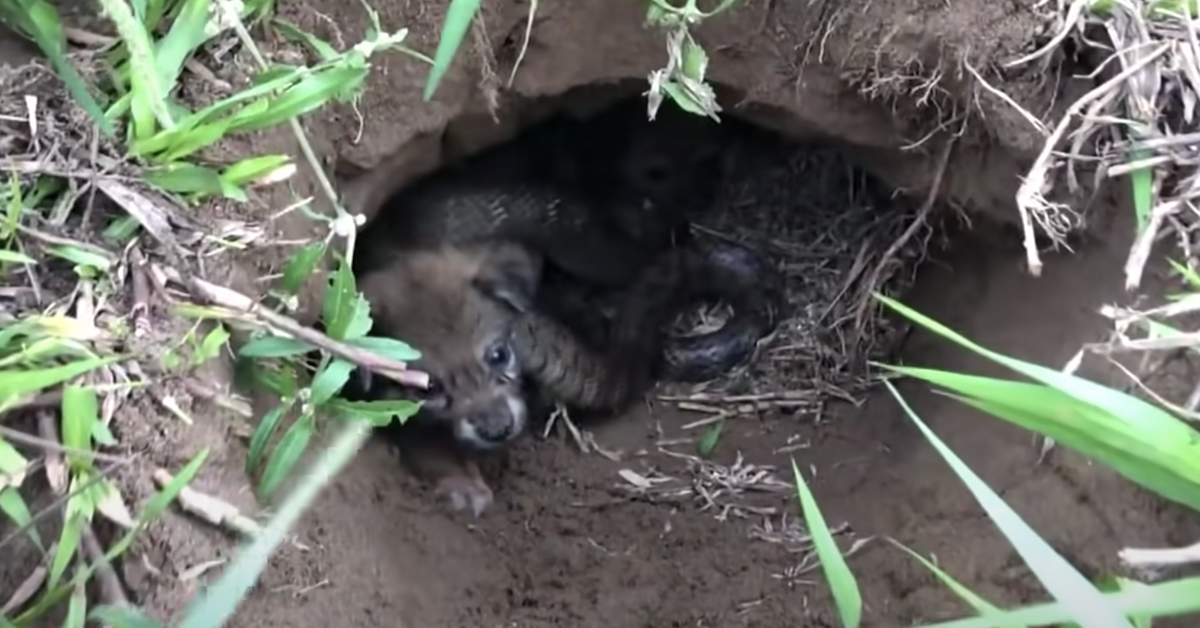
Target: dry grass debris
1139	118
838	237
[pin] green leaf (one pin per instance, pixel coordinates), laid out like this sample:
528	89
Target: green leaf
280	380
379	413
330	380
203	127
38	352
338	308
11	460
1138	414
1146	467
981	606
77	606
841	580
187	33
1142	181
1056	574
210	347
163	498
15	257
1168	9
291	447
262	435
360	319
387	347
454	28
121	229
253	169
694	60
301	266
293	33
68	544
1169	469
17	511
274	347
80	414
82	257
708	442
170	146
312	92
1162	600
103	436
684	98
183	178
15	384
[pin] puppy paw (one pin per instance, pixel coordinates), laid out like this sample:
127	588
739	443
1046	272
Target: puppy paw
466	493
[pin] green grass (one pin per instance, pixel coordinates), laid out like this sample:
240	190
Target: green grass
44	351
1141	441
50	351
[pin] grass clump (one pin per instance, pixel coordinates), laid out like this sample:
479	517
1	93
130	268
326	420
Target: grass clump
78	352
1142	442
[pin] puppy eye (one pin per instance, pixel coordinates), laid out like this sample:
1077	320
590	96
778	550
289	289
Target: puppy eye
498	356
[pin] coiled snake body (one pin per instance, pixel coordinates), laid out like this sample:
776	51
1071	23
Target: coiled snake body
606	203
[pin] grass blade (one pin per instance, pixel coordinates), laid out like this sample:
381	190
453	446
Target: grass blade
981	606
40	21
17	511
1162	600
262	435
291	447
841	580
213	607
458	20
1141	414
1170	468
1067	585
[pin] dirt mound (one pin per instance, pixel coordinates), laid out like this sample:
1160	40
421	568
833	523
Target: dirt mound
892	80
885	76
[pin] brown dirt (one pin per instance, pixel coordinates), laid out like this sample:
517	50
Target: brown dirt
563	545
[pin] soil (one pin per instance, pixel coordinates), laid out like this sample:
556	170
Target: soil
563	543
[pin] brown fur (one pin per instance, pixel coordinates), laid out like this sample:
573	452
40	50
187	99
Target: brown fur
458	306
455	303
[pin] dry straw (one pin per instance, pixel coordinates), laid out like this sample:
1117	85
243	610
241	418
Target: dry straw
1141	120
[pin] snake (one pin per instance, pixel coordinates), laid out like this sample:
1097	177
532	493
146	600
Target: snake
608	204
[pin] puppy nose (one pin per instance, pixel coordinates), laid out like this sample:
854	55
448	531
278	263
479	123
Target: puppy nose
494	424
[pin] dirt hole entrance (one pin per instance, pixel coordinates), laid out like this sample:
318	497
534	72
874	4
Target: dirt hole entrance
833	230
568	541
717	541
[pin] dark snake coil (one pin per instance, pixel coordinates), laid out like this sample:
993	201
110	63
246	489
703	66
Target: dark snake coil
582	194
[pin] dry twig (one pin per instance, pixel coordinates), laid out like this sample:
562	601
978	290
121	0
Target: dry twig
211	294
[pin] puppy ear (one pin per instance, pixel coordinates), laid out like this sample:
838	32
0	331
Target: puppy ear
510	274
